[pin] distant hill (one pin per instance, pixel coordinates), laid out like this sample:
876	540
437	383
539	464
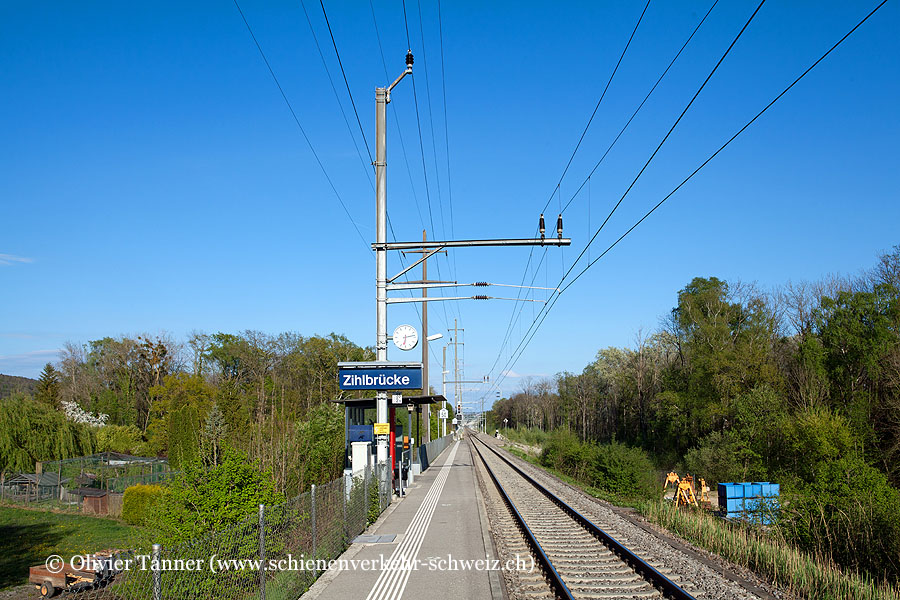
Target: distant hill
11	383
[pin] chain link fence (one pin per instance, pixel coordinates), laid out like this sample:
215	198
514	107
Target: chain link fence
275	554
90	484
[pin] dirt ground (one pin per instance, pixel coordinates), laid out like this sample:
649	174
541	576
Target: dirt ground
20	592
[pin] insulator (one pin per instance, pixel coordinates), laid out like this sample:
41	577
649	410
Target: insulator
480	297
541	225
481	284
409	58
559	226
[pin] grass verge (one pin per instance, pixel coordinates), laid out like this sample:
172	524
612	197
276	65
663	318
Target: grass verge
28	537
766	554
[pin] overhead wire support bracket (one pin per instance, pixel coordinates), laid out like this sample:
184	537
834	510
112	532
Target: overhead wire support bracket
413	265
416	285
445	298
472	243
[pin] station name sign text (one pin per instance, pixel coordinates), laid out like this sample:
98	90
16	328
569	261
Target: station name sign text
381	378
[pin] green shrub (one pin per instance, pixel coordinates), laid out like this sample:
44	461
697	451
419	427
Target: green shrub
199	500
722	456
851	513
533	436
564	452
614	467
138	501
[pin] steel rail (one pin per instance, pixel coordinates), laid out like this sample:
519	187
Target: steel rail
667	586
556	582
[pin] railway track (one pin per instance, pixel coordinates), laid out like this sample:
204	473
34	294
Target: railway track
578	558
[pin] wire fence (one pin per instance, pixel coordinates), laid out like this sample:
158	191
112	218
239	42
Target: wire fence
274	554
90	484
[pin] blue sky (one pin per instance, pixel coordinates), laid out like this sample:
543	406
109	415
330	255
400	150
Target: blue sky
154	180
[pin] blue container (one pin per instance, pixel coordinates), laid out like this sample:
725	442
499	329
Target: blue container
731	490
769	504
762	518
752	489
733	505
756	502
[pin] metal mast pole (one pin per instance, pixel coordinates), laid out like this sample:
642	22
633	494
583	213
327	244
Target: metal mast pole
426	390
382	97
444	390
381	398
456	368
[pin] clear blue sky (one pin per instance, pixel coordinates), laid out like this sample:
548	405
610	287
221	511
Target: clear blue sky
154	180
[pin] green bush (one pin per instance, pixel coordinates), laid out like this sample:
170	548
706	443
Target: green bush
138	501
533	436
199	500
851	513
564	452
613	467
722	456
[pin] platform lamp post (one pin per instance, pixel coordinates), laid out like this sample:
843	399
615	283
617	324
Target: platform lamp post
382	98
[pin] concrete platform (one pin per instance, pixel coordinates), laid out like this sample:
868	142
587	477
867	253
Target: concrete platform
441	517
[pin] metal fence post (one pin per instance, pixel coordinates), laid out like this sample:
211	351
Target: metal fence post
262	552
367	501
312	502
366	484
157	573
345	489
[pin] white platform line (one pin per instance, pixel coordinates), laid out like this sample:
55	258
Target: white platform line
391	581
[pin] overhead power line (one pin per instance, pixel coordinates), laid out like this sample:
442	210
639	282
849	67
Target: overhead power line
405	157
529	335
599	102
346	83
300	127
723	146
422	146
665	137
609	148
366	167
446	127
546	308
511	324
412	186
640	106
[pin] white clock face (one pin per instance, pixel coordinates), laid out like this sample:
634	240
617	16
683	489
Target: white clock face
406	337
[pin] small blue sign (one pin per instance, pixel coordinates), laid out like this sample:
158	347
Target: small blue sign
380	378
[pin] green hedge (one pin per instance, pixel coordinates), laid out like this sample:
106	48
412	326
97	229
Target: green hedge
138	501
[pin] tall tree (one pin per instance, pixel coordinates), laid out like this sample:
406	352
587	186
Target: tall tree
47	390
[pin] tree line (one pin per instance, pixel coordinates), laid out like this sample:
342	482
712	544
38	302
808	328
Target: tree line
799	385
266	396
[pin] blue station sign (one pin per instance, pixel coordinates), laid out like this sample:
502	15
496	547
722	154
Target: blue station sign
379	376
